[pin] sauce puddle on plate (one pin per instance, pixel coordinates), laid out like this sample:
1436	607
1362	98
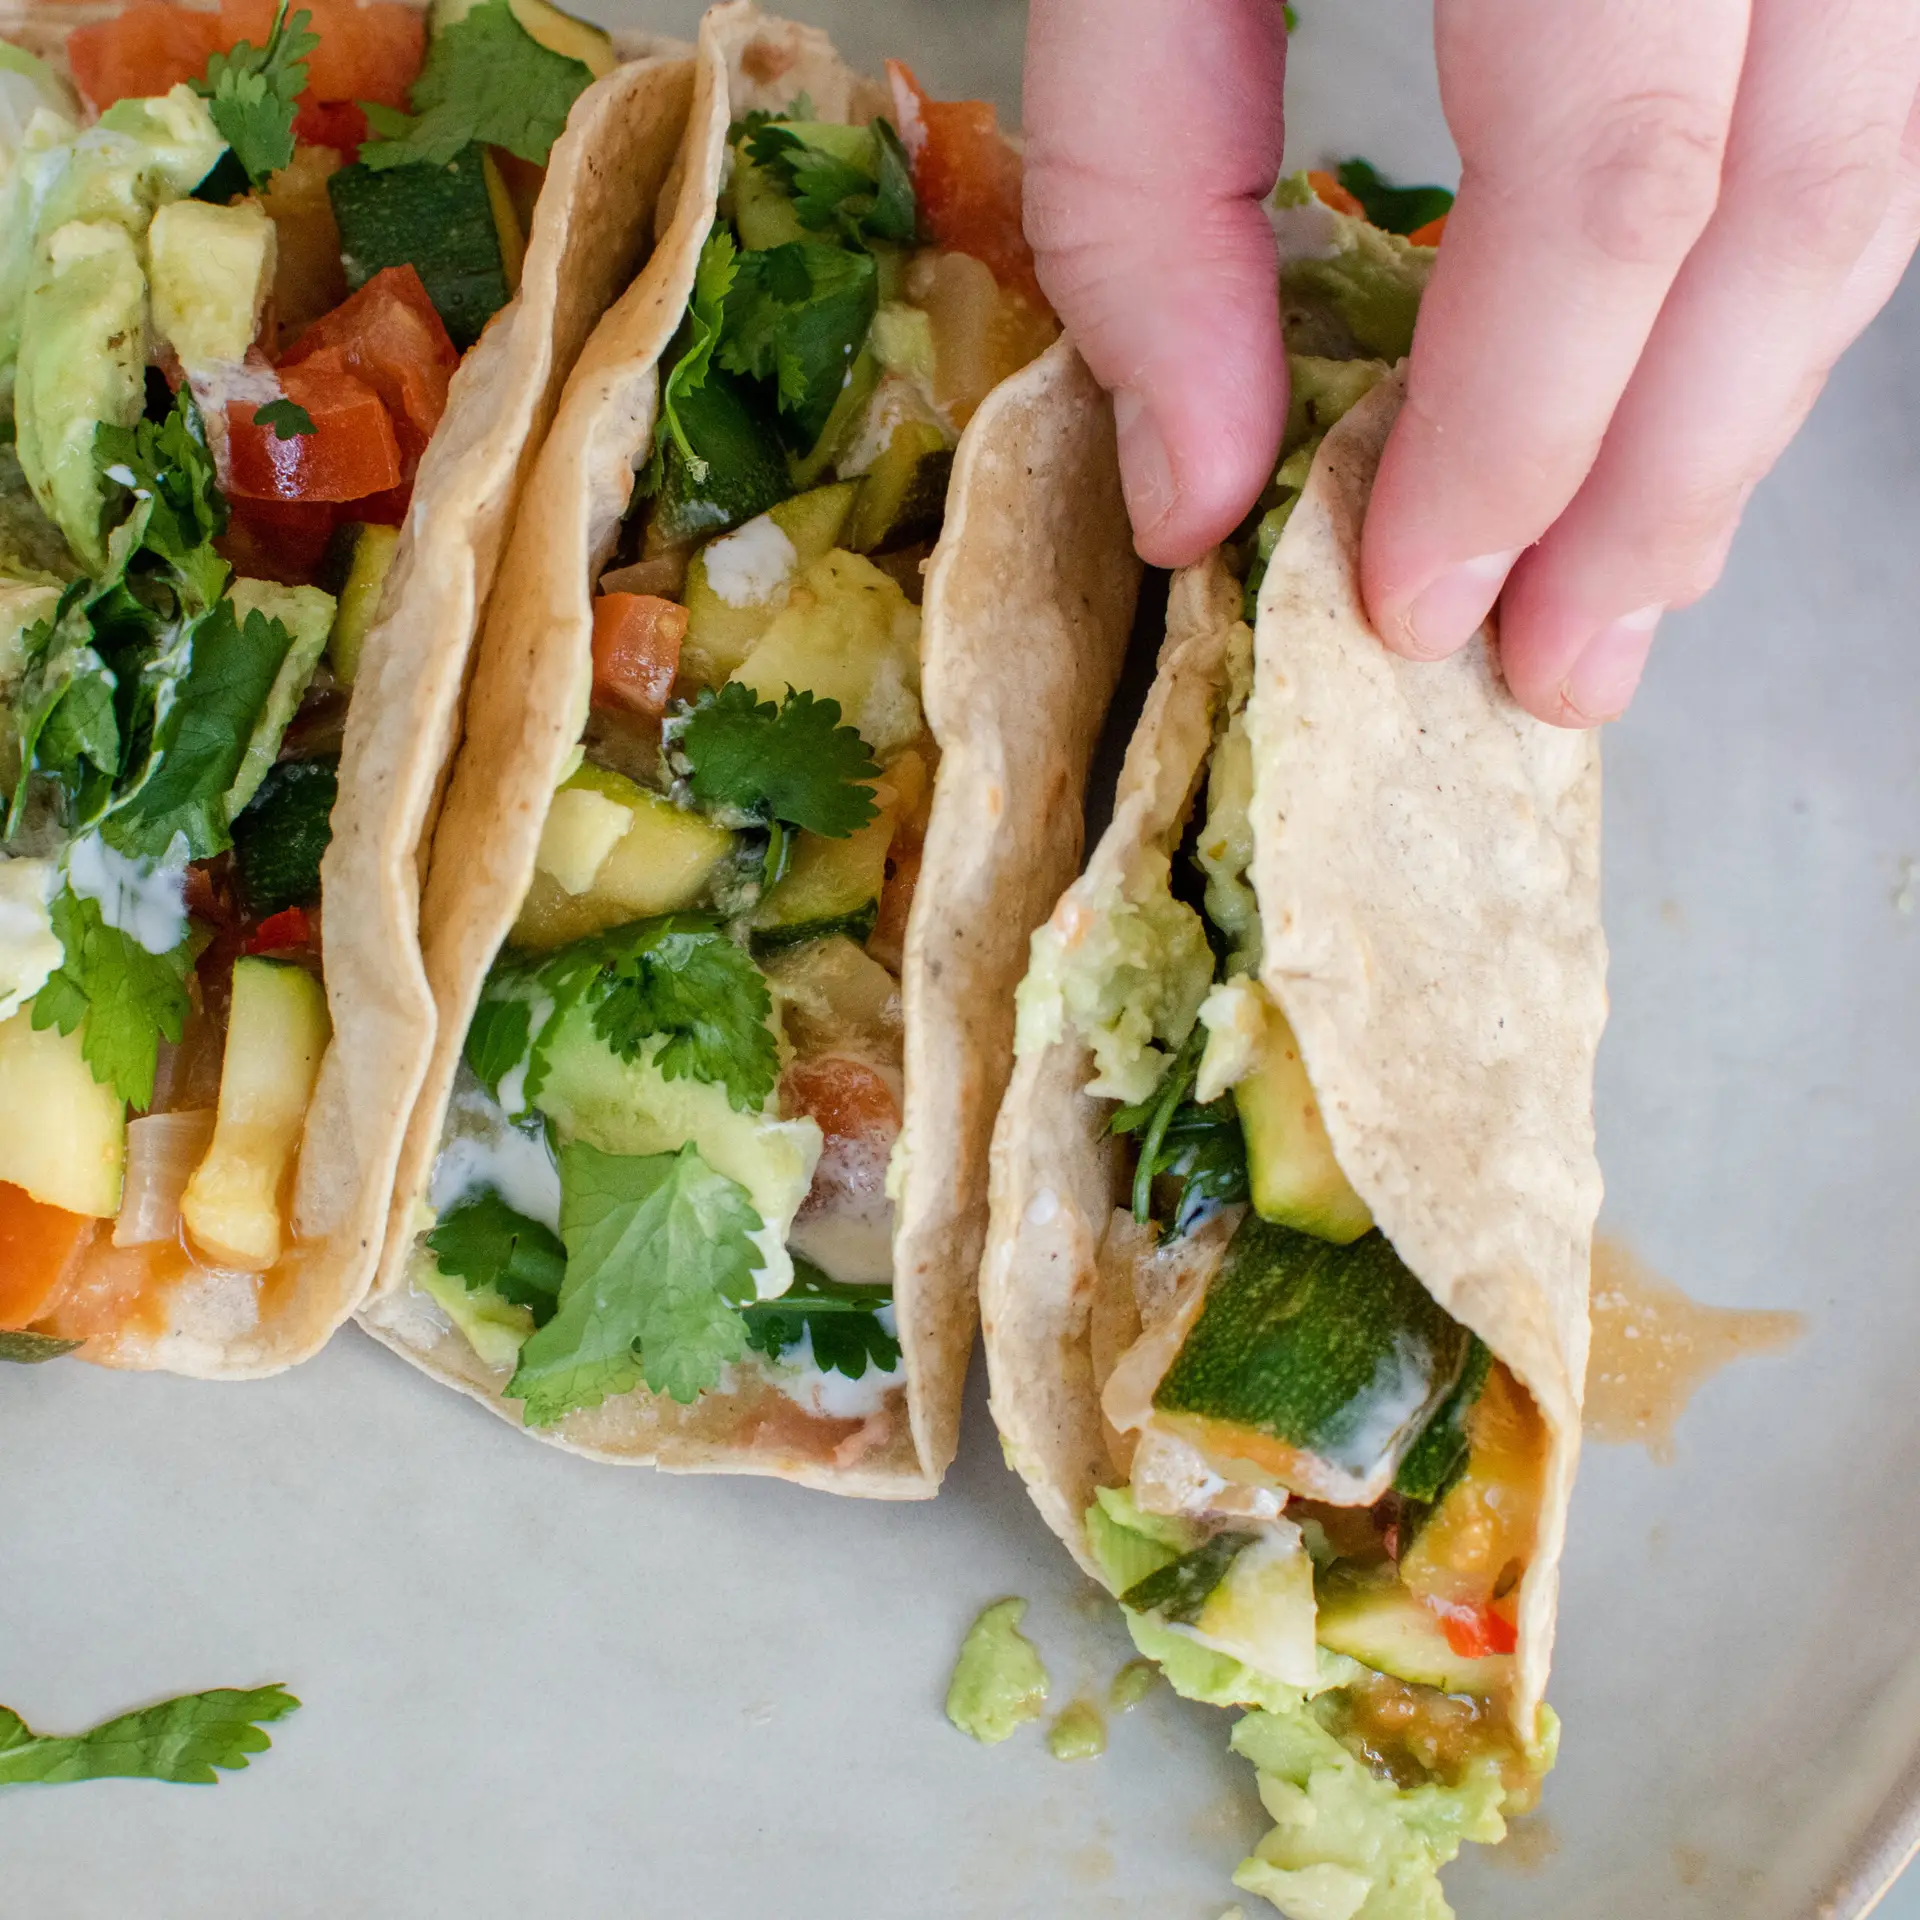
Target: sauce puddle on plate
1653	1349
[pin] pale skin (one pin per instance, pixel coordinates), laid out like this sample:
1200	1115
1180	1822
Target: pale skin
1674	216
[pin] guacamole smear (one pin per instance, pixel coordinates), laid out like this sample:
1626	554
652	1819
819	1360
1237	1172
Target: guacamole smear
1347	1843
1128	974
999	1682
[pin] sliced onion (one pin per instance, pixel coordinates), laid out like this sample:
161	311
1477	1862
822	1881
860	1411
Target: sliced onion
162	1152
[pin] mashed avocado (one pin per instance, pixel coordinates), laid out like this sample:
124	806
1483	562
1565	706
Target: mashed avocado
1346	1843
1125	973
998	1682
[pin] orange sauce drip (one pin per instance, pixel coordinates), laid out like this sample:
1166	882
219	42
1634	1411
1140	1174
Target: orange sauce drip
120	1290
1653	1349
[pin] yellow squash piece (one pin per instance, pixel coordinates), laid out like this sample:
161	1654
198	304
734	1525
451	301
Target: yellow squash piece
278	1031
63	1136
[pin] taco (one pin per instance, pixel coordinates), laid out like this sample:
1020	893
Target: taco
1293	1188
773	760
272	377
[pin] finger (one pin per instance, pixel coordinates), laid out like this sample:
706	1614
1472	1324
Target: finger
1817	217
1153	135
1591	139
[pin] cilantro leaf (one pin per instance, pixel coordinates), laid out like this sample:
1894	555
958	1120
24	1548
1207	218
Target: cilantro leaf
288	419
486	79
498	1035
851	1327
181	1740
713	278
29	1349
794	763
250	93
1394	209
130	999
797	314
169	468
834	193
1203	1147
681	977
202	738
485	1243
659	1261
68	728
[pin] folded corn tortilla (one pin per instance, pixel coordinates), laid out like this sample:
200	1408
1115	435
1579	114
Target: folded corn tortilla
590	232
1028	600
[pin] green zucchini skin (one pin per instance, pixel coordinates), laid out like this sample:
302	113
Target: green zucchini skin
278	842
1179	1590
856	926
1337	1353
1439	1457
746	466
439	221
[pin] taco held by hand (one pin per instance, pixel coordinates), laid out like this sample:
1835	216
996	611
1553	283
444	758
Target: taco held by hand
1293	1189
773	760
271	379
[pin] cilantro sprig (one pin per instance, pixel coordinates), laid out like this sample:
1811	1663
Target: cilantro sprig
251	93
659	1261
128	999
1202	1147
713	278
796	315
794	763
851	1327
832	191
485	1243
677	980
1389	206
486	79
288	419
184	1740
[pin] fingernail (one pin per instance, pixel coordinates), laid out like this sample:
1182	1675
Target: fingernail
1450	608
1146	473
1608	668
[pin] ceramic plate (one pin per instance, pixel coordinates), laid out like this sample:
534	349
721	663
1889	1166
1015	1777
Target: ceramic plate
534	1685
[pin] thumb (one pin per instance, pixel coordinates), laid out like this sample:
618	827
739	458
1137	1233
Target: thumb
1153	133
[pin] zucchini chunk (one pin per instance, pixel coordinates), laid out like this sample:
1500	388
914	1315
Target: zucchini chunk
63	1136
357	574
1379	1623
282	836
1320	1365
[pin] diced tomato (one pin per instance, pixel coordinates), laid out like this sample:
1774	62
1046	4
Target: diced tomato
41	1249
338	124
1329	192
848	1098
145	50
350	453
283	540
967	178
370	52
1475	1632
283	932
1429	235
636	651
390	336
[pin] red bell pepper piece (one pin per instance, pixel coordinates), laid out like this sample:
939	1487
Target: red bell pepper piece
350	453
283	932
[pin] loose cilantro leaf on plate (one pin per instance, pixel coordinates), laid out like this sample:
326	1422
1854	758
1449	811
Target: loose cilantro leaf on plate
794	763
659	1262
832	192
851	1327
288	419
1393	208
203	738
250	93
682	980
182	1740
129	998
486	79
487	1244
29	1349
797	315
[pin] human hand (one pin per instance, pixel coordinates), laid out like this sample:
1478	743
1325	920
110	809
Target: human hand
1672	220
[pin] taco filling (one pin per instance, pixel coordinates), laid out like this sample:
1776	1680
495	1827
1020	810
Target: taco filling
230	310
666	1162
1324	1493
